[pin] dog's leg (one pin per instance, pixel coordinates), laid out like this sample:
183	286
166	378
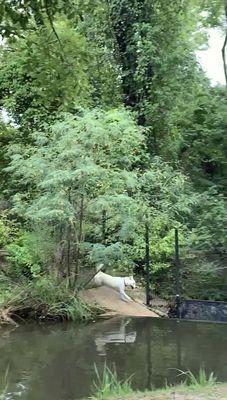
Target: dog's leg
124	296
127	297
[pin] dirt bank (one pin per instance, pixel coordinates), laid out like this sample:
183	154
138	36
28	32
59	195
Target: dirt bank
110	300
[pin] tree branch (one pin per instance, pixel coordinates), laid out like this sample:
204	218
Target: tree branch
62	56
224	58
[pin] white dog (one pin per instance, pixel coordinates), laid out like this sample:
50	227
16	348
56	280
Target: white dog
117	283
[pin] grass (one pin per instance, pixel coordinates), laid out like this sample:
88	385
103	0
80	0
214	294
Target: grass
108	385
202	380
42	299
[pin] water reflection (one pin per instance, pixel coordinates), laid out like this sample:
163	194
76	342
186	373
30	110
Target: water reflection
19	391
56	362
114	336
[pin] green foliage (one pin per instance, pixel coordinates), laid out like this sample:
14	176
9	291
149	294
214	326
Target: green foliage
208	232
60	301
202	380
28	252
108	384
4	231
203	147
115	121
45	298
159	69
15	17
21	258
78	151
79	167
37	81
8	228
104	70
6	136
91	163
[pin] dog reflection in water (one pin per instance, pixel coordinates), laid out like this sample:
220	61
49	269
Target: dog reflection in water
116	336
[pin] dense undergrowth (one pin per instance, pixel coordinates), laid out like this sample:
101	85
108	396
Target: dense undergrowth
41	300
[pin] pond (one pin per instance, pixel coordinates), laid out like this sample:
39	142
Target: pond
56	362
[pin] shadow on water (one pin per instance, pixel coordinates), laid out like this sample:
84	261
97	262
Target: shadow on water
56	362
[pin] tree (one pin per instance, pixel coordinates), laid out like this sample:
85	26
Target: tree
36	83
17	16
6	136
114	120
202	151
78	167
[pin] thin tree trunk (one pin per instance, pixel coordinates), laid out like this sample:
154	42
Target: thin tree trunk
68	251
56	269
103	226
80	236
224	45
224	58
68	245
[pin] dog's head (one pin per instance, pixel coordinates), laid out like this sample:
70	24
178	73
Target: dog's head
130	281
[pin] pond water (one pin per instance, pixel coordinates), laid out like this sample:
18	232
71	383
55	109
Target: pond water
56	362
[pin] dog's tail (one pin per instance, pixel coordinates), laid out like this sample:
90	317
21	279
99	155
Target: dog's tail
99	267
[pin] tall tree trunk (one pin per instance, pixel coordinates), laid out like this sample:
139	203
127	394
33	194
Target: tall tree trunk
225	44
79	239
59	253
103	226
68	251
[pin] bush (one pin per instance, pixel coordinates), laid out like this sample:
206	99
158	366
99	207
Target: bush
21	258
30	252
8	229
43	298
59	300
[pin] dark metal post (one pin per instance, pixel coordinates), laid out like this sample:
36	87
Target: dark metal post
179	348
103	226
148	290
177	273
149	363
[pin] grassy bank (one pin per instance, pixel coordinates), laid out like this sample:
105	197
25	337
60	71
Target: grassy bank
42	299
215	392
201	387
